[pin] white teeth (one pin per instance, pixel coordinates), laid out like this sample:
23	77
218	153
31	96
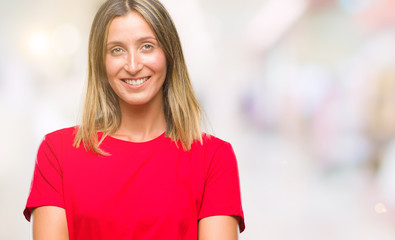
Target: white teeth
136	82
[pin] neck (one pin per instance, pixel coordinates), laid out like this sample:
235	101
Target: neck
141	123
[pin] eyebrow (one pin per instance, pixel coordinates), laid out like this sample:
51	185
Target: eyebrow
138	40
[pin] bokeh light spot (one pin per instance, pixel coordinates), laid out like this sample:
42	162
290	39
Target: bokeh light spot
380	208
38	43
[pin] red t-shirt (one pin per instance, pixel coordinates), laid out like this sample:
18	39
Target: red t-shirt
149	190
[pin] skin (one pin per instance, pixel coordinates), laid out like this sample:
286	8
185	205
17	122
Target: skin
49	223
218	228
134	53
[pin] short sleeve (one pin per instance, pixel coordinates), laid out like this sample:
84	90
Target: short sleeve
47	186
222	186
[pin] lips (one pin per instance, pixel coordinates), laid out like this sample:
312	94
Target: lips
135	82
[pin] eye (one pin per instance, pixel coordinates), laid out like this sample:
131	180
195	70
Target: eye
116	51
147	47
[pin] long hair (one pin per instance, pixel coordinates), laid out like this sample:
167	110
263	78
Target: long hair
101	112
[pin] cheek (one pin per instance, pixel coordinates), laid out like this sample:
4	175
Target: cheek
113	66
156	62
159	64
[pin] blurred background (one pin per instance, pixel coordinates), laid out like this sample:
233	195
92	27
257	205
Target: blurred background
303	89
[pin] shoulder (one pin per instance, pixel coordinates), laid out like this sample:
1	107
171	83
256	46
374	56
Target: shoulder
213	143
64	136
62	133
213	149
54	145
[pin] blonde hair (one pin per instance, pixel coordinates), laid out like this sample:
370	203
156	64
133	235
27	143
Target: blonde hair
101	111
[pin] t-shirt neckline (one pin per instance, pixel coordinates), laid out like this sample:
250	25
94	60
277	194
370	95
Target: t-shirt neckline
120	143
137	143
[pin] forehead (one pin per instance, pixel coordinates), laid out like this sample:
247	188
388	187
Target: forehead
131	25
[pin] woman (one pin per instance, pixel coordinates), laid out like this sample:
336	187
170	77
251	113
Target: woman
138	166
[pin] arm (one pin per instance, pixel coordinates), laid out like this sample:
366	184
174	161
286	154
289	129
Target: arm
49	223
218	228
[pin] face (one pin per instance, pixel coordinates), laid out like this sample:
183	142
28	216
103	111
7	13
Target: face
135	62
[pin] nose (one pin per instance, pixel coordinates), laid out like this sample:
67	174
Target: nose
133	64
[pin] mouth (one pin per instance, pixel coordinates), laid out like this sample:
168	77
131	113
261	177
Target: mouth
135	82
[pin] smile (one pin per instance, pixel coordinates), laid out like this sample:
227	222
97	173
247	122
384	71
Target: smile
135	82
